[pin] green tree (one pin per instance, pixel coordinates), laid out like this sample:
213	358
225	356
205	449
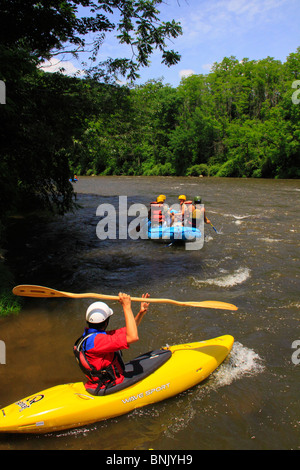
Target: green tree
45	115
50	27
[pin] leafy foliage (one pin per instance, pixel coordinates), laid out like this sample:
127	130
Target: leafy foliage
51	121
238	121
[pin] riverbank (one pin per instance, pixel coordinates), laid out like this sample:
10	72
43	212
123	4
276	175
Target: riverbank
13	244
9	304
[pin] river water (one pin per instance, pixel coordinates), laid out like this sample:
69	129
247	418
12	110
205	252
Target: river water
252	400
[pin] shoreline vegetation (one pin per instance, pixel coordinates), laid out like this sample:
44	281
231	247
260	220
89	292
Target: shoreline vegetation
9	303
240	120
16	223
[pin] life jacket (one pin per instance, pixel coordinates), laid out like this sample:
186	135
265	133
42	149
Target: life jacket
104	377
197	213
155	214
186	211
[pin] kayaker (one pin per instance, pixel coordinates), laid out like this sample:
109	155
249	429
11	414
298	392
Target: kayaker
197	212
98	351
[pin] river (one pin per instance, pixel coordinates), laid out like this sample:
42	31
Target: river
252	400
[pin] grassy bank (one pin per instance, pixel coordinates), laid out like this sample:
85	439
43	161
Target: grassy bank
9	303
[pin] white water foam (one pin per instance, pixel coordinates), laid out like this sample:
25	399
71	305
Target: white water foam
242	362
271	240
239	217
228	280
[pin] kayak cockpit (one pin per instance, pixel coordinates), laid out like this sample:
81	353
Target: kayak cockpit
138	369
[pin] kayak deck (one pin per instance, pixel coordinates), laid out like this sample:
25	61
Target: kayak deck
70	405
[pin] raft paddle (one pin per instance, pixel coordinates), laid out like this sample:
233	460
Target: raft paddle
40	291
213	227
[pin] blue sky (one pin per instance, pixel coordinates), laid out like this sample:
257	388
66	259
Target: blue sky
213	29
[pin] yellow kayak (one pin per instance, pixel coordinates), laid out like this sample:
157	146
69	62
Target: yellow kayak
150	378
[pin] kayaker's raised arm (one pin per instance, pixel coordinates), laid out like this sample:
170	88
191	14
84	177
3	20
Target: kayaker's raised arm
131	325
143	309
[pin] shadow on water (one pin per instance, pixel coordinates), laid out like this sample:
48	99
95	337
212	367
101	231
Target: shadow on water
66	252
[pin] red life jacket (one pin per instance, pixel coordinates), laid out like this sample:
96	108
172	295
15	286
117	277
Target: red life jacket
156	215
104	377
187	212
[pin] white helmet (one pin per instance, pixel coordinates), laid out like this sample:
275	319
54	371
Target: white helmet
98	312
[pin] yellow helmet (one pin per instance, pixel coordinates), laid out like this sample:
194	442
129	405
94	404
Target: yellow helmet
160	199
182	197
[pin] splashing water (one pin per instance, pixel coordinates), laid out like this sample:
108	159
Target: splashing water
242	362
228	280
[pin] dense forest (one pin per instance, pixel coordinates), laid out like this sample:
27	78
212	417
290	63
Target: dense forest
239	120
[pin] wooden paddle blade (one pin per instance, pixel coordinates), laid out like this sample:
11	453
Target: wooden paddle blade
41	291
36	291
213	304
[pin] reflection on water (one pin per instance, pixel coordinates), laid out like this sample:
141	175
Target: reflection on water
251	401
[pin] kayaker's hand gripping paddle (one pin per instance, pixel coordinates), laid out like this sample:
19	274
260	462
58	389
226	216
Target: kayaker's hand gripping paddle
40	291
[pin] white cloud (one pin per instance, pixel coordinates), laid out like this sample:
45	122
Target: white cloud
212	20
252	8
56	65
207	67
186	73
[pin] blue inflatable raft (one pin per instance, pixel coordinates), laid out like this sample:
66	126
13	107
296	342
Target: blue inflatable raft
176	233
